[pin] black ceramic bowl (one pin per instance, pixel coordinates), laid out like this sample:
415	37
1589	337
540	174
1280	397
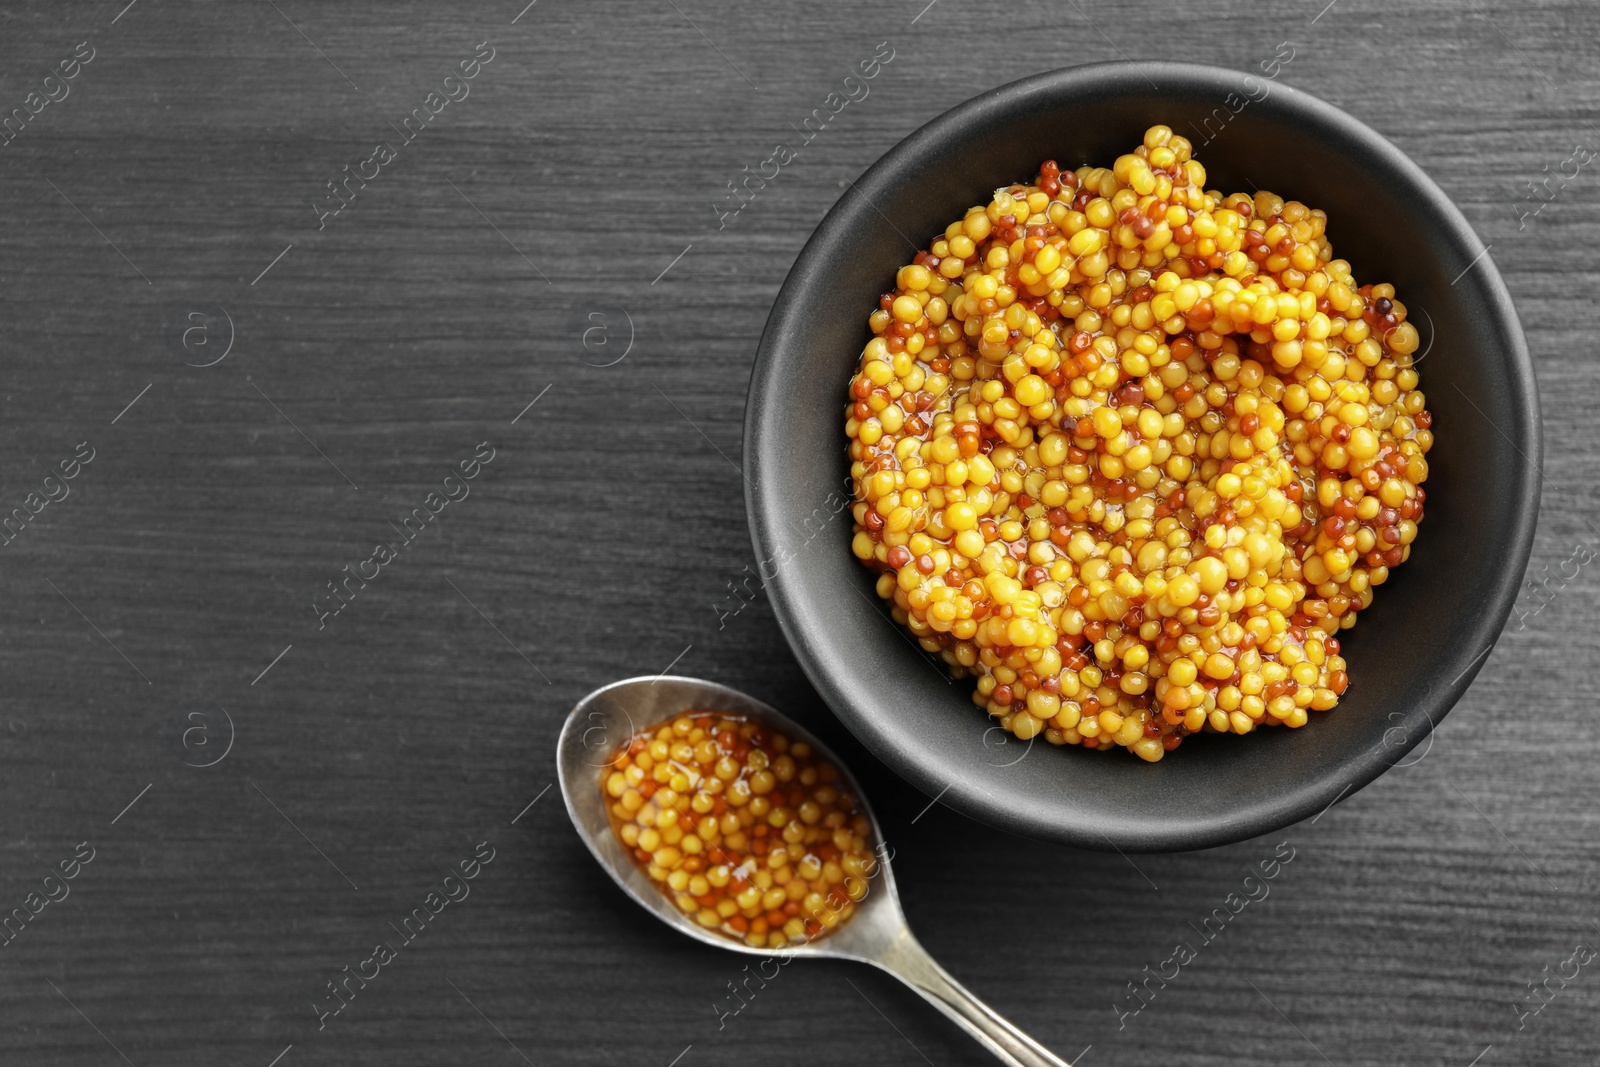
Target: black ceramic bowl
1413	653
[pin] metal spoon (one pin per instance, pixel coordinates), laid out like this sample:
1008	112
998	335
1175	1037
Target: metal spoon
877	933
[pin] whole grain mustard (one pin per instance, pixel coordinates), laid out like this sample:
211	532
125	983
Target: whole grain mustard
1133	452
751	833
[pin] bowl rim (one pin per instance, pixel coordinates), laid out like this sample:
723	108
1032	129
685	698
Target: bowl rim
806	636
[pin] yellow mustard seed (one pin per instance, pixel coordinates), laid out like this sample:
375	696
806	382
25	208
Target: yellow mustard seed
1132	453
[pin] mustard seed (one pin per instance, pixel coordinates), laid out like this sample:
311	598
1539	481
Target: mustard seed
1165	448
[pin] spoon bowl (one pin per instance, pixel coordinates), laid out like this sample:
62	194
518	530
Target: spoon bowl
876	934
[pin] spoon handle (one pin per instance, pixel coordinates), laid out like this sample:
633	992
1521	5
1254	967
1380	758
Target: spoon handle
908	961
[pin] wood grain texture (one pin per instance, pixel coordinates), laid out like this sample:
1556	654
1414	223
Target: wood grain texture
384	348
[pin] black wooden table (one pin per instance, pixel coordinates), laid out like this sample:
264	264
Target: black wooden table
256	377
